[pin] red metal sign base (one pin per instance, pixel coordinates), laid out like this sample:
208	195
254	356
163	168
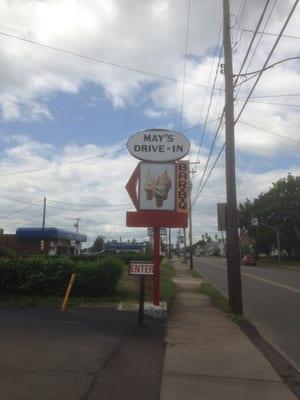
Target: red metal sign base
170	219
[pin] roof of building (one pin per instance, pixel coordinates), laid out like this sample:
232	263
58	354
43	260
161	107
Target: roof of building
123	246
49	233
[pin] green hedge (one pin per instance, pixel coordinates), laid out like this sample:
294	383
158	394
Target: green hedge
50	276
126	257
5	252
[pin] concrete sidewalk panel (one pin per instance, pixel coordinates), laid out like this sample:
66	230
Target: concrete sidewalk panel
190	387
195	335
234	356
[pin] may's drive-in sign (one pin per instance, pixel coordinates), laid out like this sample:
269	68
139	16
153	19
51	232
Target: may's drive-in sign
159	186
158	145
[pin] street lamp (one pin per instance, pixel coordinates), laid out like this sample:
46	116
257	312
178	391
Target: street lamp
255	222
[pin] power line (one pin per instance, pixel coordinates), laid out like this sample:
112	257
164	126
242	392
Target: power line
270	66
91	210
275	104
261	36
268	33
211	170
235	83
268	58
270	95
197	125
270	132
88	205
257	43
252	41
104	62
207	161
17	211
212	92
202	184
185	58
63	164
19	201
208	111
209	106
68	209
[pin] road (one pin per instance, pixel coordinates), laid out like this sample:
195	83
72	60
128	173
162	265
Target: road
271	299
85	353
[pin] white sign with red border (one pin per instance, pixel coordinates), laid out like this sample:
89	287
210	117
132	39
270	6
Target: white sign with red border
141	268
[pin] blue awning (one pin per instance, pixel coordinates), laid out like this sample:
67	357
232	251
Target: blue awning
49	233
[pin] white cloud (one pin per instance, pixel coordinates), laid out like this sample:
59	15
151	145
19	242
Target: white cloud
94	190
148	36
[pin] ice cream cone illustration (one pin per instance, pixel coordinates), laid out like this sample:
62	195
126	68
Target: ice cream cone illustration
165	181
149	185
160	194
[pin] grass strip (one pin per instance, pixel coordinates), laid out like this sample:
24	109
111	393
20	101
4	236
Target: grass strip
220	301
274	263
195	274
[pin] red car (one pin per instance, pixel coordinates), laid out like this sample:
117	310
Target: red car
249	260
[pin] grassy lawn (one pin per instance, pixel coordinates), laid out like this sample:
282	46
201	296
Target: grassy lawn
274	262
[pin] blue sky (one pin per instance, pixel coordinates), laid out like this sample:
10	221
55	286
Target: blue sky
57	108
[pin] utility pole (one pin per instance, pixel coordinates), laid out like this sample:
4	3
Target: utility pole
233	251
76	225
190	214
184	241
256	222
170	252
190	226
44	213
43	241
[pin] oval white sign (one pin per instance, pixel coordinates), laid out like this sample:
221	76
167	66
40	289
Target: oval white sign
158	145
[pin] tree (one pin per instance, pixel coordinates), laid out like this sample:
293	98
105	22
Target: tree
280	208
98	244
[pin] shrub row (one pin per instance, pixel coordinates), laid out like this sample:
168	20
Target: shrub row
125	257
50	276
5	252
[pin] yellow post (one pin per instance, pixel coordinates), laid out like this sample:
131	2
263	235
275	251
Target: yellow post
67	295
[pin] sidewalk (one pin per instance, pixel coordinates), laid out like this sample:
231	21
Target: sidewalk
208	356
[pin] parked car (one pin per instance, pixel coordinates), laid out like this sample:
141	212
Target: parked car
248	260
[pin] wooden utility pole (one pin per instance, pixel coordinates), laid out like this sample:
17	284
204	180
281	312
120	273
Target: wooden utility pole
44	214
170	245
191	171
76	225
233	251
190	226
184	241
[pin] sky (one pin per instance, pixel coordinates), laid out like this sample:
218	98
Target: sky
79	78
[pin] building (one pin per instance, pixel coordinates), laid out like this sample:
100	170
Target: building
117	247
47	241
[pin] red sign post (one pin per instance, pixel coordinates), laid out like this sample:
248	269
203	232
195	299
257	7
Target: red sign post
158	189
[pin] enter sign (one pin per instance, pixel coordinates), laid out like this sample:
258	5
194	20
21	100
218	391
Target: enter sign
141	268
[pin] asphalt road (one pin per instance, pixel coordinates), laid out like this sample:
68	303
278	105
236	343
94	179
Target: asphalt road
271	300
82	354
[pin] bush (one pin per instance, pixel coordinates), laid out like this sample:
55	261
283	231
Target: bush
50	276
98	278
5	252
